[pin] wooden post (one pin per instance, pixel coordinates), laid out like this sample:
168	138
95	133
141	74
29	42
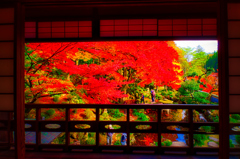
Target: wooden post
19	82
223	81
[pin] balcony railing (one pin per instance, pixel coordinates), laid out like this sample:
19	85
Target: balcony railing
187	128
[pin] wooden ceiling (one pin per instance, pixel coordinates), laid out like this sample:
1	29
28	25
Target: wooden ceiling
51	9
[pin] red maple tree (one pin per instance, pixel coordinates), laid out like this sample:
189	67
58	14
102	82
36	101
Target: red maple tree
96	72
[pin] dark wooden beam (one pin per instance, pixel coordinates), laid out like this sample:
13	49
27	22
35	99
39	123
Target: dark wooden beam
107	1
19	82
223	81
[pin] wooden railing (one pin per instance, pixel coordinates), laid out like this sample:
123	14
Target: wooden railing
159	127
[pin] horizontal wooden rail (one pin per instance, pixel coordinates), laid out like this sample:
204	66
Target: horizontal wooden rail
159	127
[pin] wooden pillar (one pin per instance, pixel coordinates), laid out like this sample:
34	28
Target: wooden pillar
12	69
223	81
19	83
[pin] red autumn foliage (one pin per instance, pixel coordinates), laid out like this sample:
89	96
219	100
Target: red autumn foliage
148	140
172	137
99	82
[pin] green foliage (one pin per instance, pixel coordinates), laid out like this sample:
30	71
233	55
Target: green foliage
60	139
55	98
166	143
75	98
90	61
104	116
91	134
48	113
230	143
237	138
209	71
192	74
85	138
199	58
199	139
200	98
117	143
235	116
212	61
232	120
90	141
140	114
162	144
111	115
207	129
116	126
185	58
143	117
215	119
117	114
136	90
189	87
158	96
89	113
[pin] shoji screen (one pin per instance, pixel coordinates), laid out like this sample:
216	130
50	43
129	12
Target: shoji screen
6	75
6	59
234	76
234	56
158	27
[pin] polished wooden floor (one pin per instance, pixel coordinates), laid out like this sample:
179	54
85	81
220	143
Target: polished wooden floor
62	155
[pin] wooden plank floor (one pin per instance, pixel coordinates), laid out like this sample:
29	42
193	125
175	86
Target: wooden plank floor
62	155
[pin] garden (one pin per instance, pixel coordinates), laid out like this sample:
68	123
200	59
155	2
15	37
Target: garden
143	139
174	140
82	138
113	138
121	72
206	115
234	141
205	140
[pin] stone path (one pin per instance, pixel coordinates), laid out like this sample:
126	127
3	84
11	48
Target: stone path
214	139
178	144
213	144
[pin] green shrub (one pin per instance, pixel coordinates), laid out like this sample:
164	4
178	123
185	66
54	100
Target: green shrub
215	119
141	116
117	114
201	97
207	128
50	112
237	138
230	143
55	98
199	139
90	141
232	120
91	134
235	116
168	142
89	113
104	116
162	144
159	97
117	143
